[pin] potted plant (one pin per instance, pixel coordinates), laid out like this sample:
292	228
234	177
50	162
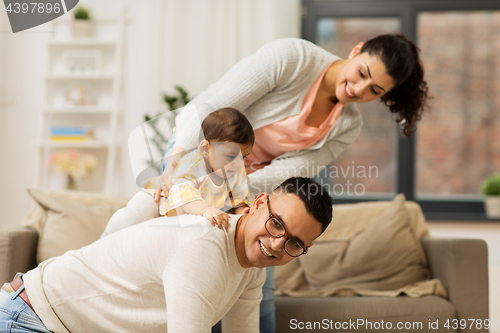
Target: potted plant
491	189
163	124
82	24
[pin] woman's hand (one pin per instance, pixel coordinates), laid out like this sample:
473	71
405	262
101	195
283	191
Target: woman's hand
168	173
215	215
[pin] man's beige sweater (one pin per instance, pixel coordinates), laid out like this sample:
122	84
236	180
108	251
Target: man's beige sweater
158	276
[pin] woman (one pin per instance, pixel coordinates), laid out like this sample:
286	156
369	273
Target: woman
300	100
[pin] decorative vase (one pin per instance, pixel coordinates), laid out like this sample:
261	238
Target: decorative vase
492	206
71	184
81	28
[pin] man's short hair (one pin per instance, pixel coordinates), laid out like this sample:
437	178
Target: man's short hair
314	196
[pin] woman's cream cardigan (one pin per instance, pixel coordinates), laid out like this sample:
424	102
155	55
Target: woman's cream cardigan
267	87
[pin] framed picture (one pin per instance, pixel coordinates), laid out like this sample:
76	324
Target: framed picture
82	61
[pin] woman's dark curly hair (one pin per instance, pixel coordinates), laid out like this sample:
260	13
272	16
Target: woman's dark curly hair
409	96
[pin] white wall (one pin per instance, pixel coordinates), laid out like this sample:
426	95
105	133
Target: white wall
3	28
22	59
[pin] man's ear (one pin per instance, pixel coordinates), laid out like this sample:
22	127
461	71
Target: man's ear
259	201
204	148
355	51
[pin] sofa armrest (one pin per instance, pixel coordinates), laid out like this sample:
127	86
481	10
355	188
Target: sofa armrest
462	267
17	252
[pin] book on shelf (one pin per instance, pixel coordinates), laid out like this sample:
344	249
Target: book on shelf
66	133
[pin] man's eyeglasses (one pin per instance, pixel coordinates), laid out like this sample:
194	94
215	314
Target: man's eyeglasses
276	229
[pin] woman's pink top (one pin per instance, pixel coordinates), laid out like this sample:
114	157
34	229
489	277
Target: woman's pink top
291	133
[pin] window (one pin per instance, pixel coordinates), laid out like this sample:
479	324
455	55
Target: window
367	169
457	143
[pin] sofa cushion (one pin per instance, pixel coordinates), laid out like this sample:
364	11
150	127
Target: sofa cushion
383	256
351	219
68	220
363	314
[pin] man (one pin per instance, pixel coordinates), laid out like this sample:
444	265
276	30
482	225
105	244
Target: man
171	274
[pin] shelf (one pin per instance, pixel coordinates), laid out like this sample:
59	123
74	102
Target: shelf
70	76
94	63
82	42
77	110
74	144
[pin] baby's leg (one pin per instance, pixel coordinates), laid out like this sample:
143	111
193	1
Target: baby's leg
140	208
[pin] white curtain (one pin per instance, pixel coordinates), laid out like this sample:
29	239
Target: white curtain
199	40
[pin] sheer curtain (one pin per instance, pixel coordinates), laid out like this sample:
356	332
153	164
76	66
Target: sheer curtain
199	40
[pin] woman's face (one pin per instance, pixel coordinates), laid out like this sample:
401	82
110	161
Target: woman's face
362	78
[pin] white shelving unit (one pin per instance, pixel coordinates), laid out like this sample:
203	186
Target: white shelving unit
102	110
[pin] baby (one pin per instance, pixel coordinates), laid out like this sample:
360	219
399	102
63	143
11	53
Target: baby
207	181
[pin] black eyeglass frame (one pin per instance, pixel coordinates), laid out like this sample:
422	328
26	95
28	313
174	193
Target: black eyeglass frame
285	233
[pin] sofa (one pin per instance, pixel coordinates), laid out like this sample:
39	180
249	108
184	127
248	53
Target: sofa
374	269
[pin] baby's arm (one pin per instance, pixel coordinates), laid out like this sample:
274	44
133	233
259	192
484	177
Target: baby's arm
186	198
214	215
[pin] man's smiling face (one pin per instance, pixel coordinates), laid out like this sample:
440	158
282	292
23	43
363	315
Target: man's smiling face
259	248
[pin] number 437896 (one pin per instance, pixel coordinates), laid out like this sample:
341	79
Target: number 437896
33	7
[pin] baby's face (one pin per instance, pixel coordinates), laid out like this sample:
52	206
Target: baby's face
228	156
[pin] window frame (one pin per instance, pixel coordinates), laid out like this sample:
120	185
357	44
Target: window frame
407	12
